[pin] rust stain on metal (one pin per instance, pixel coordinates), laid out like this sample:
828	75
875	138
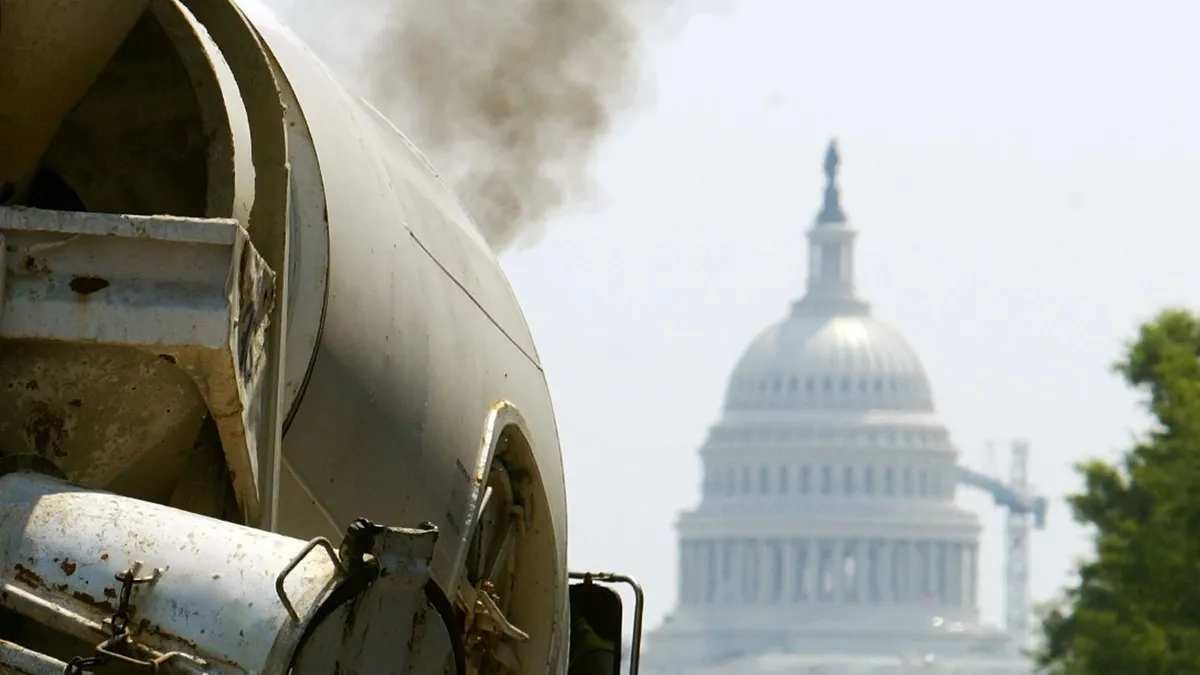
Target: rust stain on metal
88	285
46	430
68	567
36	265
110	592
89	599
28	577
104	556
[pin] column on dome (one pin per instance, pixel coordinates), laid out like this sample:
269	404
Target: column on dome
711	573
887	575
929	587
964	581
762	572
862	551
749	575
845	552
941	572
787	573
904	577
695	589
827	581
684	576
973	583
874	588
805	564
898	569
916	566
775	571
730	571
956	574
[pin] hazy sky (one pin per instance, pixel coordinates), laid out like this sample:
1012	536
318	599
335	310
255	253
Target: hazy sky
1024	175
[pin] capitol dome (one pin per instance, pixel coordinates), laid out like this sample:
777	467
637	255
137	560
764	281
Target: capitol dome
829	362
827	528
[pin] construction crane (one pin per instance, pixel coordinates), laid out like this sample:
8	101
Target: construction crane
1025	513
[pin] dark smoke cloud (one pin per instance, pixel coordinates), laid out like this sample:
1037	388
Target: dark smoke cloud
509	98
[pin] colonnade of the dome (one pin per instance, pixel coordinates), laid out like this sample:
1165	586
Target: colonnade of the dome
723	571
745	478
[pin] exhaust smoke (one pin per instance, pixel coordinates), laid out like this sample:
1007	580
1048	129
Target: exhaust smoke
509	98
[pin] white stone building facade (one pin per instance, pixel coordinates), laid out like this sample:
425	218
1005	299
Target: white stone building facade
827	539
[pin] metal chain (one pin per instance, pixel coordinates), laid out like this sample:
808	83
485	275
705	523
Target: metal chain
119	627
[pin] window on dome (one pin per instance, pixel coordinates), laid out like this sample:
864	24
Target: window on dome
923	479
810	385
762	386
764	480
745	480
889	481
828	385
793	384
878	386
777	386
862	386
869	480
908	483
845	385
848	480
892	384
805	476
730	483
826	480
784	486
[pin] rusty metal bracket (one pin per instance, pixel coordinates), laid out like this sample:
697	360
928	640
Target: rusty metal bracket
299	558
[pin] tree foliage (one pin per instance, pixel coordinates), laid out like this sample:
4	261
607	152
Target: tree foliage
1136	607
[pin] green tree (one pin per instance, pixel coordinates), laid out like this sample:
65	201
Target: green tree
1136	607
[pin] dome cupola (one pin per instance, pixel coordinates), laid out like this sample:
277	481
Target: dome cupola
829	353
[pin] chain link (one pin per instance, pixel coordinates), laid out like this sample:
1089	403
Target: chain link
118	627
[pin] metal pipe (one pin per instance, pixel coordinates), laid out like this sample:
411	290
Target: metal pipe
16	660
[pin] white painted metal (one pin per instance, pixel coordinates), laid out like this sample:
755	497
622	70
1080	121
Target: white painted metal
402	346
393	628
214	599
16	660
422	339
191	296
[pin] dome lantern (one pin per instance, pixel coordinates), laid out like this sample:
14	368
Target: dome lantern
831	253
